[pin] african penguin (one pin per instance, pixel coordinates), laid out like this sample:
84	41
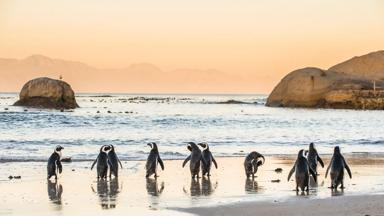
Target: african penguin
252	162
54	164
337	165
152	161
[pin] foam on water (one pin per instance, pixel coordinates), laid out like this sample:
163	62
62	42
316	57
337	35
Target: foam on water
232	124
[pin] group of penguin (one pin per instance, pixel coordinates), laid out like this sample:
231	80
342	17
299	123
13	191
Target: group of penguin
305	165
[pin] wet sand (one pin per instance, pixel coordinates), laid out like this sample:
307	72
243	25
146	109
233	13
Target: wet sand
227	192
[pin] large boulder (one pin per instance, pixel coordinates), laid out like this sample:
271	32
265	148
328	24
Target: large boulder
47	93
370	66
342	86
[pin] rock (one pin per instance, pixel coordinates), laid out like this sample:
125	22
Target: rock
275	181
47	93
370	66
333	88
278	170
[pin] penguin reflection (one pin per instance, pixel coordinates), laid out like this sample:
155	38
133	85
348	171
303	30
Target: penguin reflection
153	187
336	192
205	188
107	192
251	185
195	187
55	190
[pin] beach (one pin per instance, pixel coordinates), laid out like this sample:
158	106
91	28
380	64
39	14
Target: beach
227	192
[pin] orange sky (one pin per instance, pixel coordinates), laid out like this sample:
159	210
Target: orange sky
258	40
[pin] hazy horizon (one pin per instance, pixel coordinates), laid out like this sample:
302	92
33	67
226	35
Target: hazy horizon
184	47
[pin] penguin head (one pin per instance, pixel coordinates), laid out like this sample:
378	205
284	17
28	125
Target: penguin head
112	148
204	145
59	148
105	148
311	145
153	145
191	146
301	153
337	150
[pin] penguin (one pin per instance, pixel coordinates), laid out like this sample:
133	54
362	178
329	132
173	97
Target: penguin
252	162
54	164
208	158
152	160
195	158
114	161
337	165
313	157
102	162
302	169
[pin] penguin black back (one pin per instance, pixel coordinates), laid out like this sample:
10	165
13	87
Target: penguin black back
208	159
195	158
102	162
152	161
302	171
252	162
337	165
114	161
54	164
313	158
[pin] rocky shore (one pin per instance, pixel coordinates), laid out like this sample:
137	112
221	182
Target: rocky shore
354	84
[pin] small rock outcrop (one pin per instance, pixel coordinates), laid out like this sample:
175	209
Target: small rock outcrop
47	93
354	84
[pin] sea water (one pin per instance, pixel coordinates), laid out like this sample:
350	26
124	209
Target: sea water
233	125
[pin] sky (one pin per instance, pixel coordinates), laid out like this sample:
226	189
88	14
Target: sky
259	40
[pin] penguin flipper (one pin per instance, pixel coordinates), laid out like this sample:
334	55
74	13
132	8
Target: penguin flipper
214	161
94	162
347	168
320	161
121	166
160	162
312	172
292	171
186	160
326	172
59	166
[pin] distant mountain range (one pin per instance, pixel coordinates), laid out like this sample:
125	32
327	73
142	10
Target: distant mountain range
136	78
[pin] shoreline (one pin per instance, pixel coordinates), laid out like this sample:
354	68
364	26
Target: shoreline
378	155
338	205
174	191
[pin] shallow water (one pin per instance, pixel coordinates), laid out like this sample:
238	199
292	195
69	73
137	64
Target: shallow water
232	124
77	189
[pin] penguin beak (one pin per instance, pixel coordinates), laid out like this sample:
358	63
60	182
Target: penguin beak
149	144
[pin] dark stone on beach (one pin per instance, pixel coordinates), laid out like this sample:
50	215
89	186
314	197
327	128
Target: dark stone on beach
275	181
109	111
98	111
47	93
17	177
66	160
278	170
10	177
73	170
25	110
5	108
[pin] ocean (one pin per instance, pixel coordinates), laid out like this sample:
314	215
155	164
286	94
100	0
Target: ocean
233	125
